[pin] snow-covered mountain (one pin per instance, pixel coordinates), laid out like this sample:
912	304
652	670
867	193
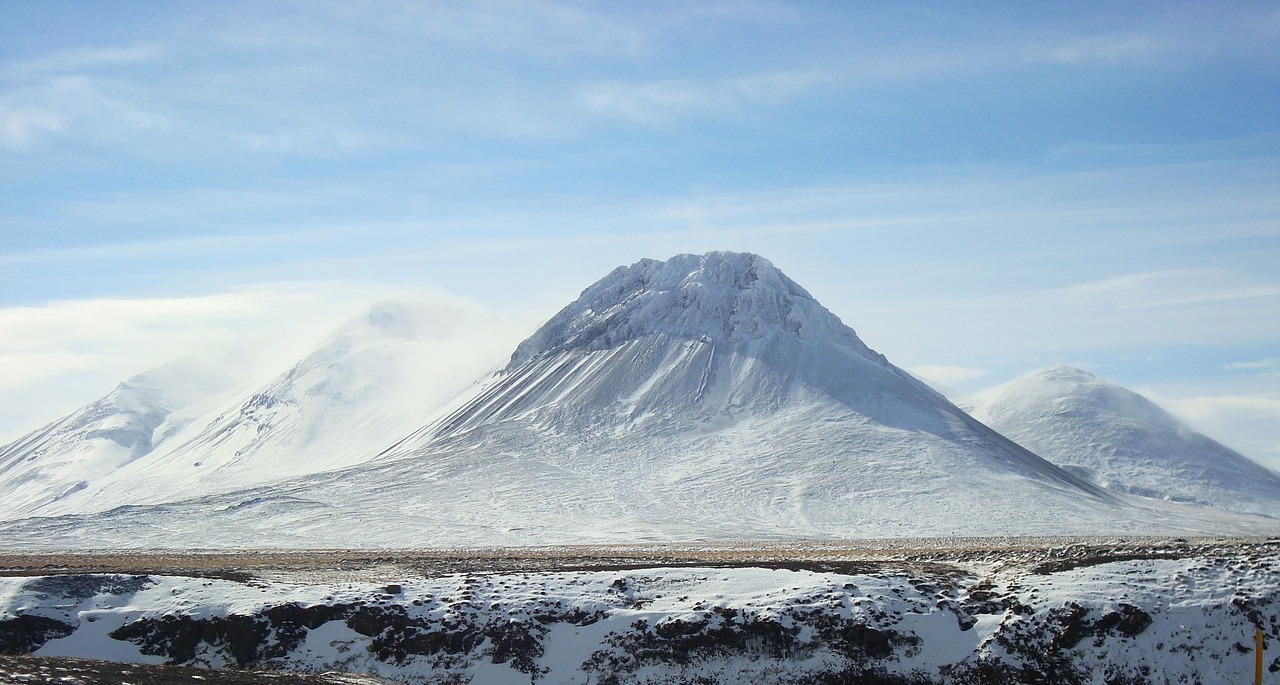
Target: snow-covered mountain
712	393
129	423
699	398
372	382
1122	441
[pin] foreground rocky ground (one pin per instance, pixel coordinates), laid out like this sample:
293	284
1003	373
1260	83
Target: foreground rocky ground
924	611
69	671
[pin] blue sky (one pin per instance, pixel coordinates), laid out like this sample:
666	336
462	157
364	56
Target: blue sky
979	190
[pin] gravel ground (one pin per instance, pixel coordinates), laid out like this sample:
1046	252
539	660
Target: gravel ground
389	565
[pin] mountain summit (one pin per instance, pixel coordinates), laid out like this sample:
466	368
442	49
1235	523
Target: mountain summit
128	424
717	297
692	339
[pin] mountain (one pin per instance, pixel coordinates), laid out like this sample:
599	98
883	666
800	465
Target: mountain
68	455
712	395
373	381
1120	440
701	398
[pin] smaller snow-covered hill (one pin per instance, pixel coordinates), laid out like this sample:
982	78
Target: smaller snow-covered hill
372	382
127	424
1122	441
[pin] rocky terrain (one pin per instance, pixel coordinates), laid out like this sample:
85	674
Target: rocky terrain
36	670
982	611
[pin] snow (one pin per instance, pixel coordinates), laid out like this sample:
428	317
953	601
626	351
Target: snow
944	643
66	456
723	296
93	641
372	382
1122	441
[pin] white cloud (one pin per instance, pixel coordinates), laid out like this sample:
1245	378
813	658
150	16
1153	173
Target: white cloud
60	356
529	28
309	140
1249	424
85	58
1110	48
1169	288
942	373
1269	366
648	102
61	104
660	102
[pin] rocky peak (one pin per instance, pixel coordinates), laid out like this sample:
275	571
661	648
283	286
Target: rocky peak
720	297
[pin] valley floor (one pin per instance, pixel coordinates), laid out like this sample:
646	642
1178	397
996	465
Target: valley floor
849	556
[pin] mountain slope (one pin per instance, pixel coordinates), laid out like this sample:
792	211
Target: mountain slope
700	343
70	454
373	381
1122	441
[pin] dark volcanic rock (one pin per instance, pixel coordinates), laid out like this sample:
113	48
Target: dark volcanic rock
24	634
245	638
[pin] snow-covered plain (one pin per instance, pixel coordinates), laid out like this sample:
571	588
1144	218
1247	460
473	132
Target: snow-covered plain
1136	612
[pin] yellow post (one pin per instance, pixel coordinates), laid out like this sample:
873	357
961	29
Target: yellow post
1257	658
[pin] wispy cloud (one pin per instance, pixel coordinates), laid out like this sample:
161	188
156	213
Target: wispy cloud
315	141
1170	288
112	326
82	59
660	102
61	105
1249	424
947	374
57	357
535	29
648	102
1269	366
1112	48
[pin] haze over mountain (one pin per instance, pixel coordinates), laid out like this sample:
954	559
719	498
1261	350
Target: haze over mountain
1122	441
141	414
374	380
698	398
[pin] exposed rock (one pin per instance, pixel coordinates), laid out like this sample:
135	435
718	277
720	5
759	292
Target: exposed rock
25	633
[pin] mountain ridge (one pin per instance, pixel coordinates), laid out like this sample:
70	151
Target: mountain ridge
372	380
705	397
129	423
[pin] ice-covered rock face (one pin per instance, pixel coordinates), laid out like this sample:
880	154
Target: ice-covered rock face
720	296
